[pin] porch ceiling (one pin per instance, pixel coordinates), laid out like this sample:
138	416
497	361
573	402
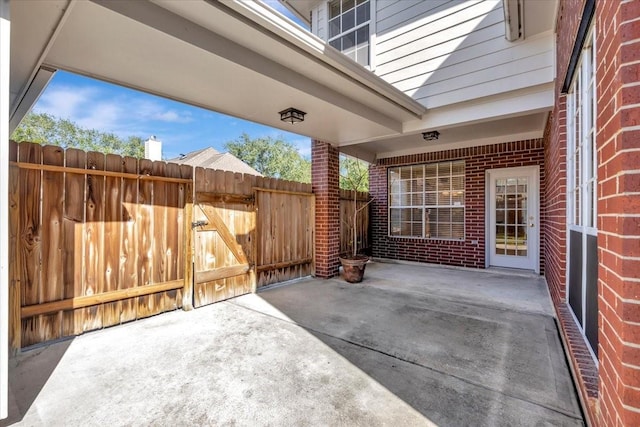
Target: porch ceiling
208	54
241	58
529	126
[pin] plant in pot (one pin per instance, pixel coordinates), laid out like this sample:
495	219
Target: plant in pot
354	178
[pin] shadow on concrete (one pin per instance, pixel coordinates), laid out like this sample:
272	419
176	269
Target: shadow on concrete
29	372
453	344
411	345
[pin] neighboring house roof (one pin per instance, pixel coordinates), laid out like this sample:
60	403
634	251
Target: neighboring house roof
213	159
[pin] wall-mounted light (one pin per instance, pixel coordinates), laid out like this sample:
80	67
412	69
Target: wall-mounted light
431	135
292	115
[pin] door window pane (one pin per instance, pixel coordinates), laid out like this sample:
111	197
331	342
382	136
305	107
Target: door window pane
511	216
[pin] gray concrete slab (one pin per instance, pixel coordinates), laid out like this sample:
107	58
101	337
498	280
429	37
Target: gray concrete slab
411	345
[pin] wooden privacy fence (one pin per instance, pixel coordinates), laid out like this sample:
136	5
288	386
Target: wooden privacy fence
96	240
346	221
100	240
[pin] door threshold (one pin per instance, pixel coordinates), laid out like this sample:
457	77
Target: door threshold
513	271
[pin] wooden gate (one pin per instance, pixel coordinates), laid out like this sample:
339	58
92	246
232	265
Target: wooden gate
249	231
285	234
224	227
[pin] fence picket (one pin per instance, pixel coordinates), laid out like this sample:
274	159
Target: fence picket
30	251
112	237
128	267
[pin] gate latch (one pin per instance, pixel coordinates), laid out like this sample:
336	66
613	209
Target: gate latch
199	224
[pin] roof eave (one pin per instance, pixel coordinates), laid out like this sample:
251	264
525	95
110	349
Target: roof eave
290	32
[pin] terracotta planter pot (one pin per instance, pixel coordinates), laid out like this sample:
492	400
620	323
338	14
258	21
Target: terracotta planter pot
353	268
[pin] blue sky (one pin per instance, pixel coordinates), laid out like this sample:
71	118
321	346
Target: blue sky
181	128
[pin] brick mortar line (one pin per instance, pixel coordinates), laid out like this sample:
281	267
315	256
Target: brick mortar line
631	301
620	257
630	365
615	332
623	278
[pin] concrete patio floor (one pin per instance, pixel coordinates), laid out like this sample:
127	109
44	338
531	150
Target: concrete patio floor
411	345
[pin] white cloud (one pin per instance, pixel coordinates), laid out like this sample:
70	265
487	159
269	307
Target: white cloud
169	116
104	116
101	109
66	102
153	110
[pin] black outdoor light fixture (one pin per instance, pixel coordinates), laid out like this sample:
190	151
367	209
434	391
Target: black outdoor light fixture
431	135
292	115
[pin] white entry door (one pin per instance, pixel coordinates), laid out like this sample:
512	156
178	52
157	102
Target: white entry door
513	218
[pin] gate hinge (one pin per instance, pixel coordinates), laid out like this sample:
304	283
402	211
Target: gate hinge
199	224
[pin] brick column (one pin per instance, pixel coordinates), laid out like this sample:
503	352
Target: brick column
378	190
325	181
618	144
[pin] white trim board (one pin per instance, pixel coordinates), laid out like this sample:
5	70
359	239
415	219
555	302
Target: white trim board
5	55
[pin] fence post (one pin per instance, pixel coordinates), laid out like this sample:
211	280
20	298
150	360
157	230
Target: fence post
253	272
187	295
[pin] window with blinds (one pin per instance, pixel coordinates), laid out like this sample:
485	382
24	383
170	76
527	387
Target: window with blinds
427	201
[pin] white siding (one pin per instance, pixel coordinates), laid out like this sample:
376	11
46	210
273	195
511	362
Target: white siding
392	14
442	52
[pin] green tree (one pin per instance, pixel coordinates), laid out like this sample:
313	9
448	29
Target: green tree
272	157
44	128
354	174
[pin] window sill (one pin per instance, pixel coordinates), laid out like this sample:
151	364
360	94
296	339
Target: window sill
427	239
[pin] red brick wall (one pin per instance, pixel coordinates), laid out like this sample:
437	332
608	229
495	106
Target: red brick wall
617	25
555	247
582	364
618	145
555	228
477	161
569	16
325	182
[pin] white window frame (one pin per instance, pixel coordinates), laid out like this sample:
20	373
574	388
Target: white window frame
581	109
370	22
583	145
424	207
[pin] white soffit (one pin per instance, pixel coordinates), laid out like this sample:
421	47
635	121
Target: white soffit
33	30
511	116
491	132
539	16
185	51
